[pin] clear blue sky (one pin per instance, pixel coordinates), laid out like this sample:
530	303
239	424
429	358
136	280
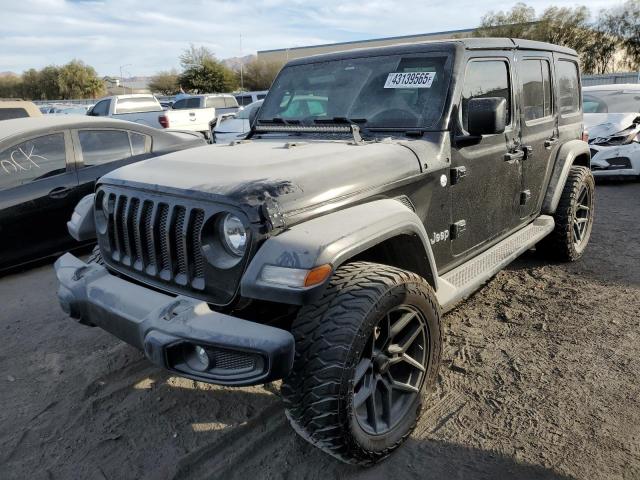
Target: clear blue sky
147	36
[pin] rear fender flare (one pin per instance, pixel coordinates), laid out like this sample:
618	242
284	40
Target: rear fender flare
565	159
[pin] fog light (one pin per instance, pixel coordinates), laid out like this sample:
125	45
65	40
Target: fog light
203	357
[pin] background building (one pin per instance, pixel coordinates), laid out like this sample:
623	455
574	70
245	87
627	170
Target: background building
282	55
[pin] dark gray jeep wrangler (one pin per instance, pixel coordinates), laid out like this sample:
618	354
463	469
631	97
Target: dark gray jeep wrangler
377	188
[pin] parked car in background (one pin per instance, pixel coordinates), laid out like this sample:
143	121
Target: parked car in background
48	164
198	113
235	126
612	119
18	109
246	98
139	108
73	110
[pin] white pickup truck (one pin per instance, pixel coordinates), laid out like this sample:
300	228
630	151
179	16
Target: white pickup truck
198	112
138	108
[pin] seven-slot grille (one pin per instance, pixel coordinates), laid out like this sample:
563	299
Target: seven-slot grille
157	238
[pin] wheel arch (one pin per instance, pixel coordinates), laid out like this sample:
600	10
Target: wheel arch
383	231
573	152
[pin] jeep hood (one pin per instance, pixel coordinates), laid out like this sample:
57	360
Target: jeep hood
606	124
294	175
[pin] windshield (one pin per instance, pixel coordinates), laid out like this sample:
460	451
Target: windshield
386	92
611	101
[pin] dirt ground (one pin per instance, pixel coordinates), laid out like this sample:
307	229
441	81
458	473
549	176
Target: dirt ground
540	379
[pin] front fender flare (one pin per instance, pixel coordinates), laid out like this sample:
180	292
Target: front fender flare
331	239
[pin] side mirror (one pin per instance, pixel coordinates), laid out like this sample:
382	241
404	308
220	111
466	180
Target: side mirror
486	116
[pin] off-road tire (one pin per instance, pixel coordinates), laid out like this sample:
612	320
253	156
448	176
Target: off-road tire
96	256
330	337
560	244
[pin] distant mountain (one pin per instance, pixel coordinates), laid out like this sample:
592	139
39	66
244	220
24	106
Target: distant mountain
8	74
234	62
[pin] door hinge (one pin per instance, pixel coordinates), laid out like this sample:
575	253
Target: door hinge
528	152
457	228
525	195
457	174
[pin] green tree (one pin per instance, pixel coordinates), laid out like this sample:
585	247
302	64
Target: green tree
597	43
259	74
31	89
10	86
166	83
48	78
78	80
628	17
515	23
604	44
204	73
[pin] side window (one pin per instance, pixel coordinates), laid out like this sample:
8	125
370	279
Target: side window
179	104
536	89
103	146
32	160
139	144
261	96
215	102
244	100
230	102
568	87
101	109
9	113
193	102
488	78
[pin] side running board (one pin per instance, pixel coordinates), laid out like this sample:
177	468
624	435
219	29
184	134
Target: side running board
463	280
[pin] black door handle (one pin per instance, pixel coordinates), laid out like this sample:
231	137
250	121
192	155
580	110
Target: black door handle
513	156
59	192
549	142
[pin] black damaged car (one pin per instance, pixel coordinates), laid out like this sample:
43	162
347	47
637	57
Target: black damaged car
47	164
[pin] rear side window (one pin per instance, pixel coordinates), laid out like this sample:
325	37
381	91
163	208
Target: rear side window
215	102
483	79
9	113
101	108
568	87
244	100
192	102
137	105
230	102
32	160
536	88
139	143
104	146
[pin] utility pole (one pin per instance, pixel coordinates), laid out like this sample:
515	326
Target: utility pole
124	89
241	67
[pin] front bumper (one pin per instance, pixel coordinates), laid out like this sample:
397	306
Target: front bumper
615	161
168	329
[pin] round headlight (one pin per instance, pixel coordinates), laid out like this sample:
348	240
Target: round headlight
234	235
105	204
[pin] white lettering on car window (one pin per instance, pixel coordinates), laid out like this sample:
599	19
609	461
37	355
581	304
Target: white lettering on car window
21	161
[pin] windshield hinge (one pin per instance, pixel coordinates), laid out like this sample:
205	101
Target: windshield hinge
355	131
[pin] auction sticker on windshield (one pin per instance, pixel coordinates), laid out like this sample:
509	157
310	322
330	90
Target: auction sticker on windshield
410	80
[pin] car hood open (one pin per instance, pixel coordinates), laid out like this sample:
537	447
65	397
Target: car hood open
294	174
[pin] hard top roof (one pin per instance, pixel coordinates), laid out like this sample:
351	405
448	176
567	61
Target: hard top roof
446	45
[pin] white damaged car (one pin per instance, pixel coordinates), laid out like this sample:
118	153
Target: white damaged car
612	119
